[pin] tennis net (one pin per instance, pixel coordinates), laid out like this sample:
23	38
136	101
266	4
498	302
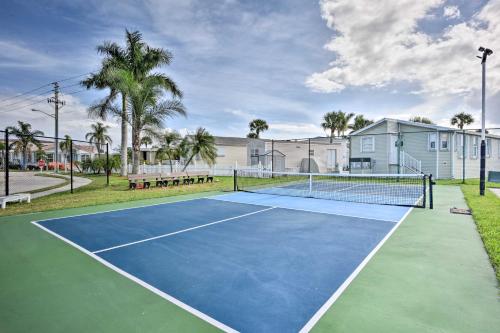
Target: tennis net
392	189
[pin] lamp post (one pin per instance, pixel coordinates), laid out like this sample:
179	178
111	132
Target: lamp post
56	135
486	52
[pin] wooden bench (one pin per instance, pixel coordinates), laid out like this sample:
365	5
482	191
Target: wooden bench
146	180
201	176
19	197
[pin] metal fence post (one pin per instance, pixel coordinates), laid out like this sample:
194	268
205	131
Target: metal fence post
463	156
235	180
431	197
6	161
107	164
71	163
309	156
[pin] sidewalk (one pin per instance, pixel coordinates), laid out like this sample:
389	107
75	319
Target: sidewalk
77	182
432	275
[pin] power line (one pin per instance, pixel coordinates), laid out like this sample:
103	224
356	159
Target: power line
26	99
25	106
24	93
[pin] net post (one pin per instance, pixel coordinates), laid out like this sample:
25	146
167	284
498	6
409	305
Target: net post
424	181
235	180
71	164
107	164
6	161
309	155
272	158
431	199
463	156
310	184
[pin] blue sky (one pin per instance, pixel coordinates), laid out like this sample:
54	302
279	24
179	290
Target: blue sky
288	62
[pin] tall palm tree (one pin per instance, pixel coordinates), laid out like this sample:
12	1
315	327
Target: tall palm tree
98	136
330	123
461	119
65	147
360	122
202	144
343	122
25	139
169	144
256	127
146	108
139	60
146	140
420	119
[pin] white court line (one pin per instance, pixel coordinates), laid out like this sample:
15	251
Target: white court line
317	316
158	292
181	231
310	210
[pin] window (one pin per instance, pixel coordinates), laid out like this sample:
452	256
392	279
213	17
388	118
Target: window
459	145
443	141
311	152
368	144
220	152
488	147
254	152
432	141
474	146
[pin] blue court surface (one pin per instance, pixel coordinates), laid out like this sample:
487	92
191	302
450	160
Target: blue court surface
243	262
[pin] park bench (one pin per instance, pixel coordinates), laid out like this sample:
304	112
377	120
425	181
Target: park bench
146	179
201	177
19	197
174	177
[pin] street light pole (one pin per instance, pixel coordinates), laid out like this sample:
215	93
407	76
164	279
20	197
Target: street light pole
482	184
57	103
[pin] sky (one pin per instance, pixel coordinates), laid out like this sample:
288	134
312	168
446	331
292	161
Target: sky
288	62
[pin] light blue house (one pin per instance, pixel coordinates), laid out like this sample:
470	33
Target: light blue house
392	146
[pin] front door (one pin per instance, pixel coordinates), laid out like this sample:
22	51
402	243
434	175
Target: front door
393	150
331	159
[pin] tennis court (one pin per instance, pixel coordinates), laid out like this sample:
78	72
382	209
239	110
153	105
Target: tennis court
243	261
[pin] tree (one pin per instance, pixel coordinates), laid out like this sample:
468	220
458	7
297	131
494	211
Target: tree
98	136
360	122
420	119
146	140
169	144
461	119
257	126
25	139
330	123
343	122
139	60
202	144
146	109
65	147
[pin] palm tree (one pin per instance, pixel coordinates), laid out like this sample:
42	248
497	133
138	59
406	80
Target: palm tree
330	123
420	119
169	146
461	119
343	122
25	138
146	109
65	147
146	140
202	144
98	136
360	122
139	60
256	127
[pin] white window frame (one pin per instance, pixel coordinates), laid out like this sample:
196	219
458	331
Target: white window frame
429	140
441	135
459	145
221	152
372	139
474	152
488	147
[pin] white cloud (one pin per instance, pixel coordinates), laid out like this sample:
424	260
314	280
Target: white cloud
16	55
451	12
382	46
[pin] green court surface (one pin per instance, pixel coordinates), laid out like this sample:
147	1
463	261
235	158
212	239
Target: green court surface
432	275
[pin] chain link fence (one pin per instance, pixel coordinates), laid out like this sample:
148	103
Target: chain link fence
41	164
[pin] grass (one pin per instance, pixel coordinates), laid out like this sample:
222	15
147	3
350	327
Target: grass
97	193
486	214
66	182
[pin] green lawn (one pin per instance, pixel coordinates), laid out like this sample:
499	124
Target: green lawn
486	214
97	193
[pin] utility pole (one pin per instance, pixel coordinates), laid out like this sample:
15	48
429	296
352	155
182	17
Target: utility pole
57	103
482	184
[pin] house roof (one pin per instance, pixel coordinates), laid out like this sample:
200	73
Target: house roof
416	124
232	141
